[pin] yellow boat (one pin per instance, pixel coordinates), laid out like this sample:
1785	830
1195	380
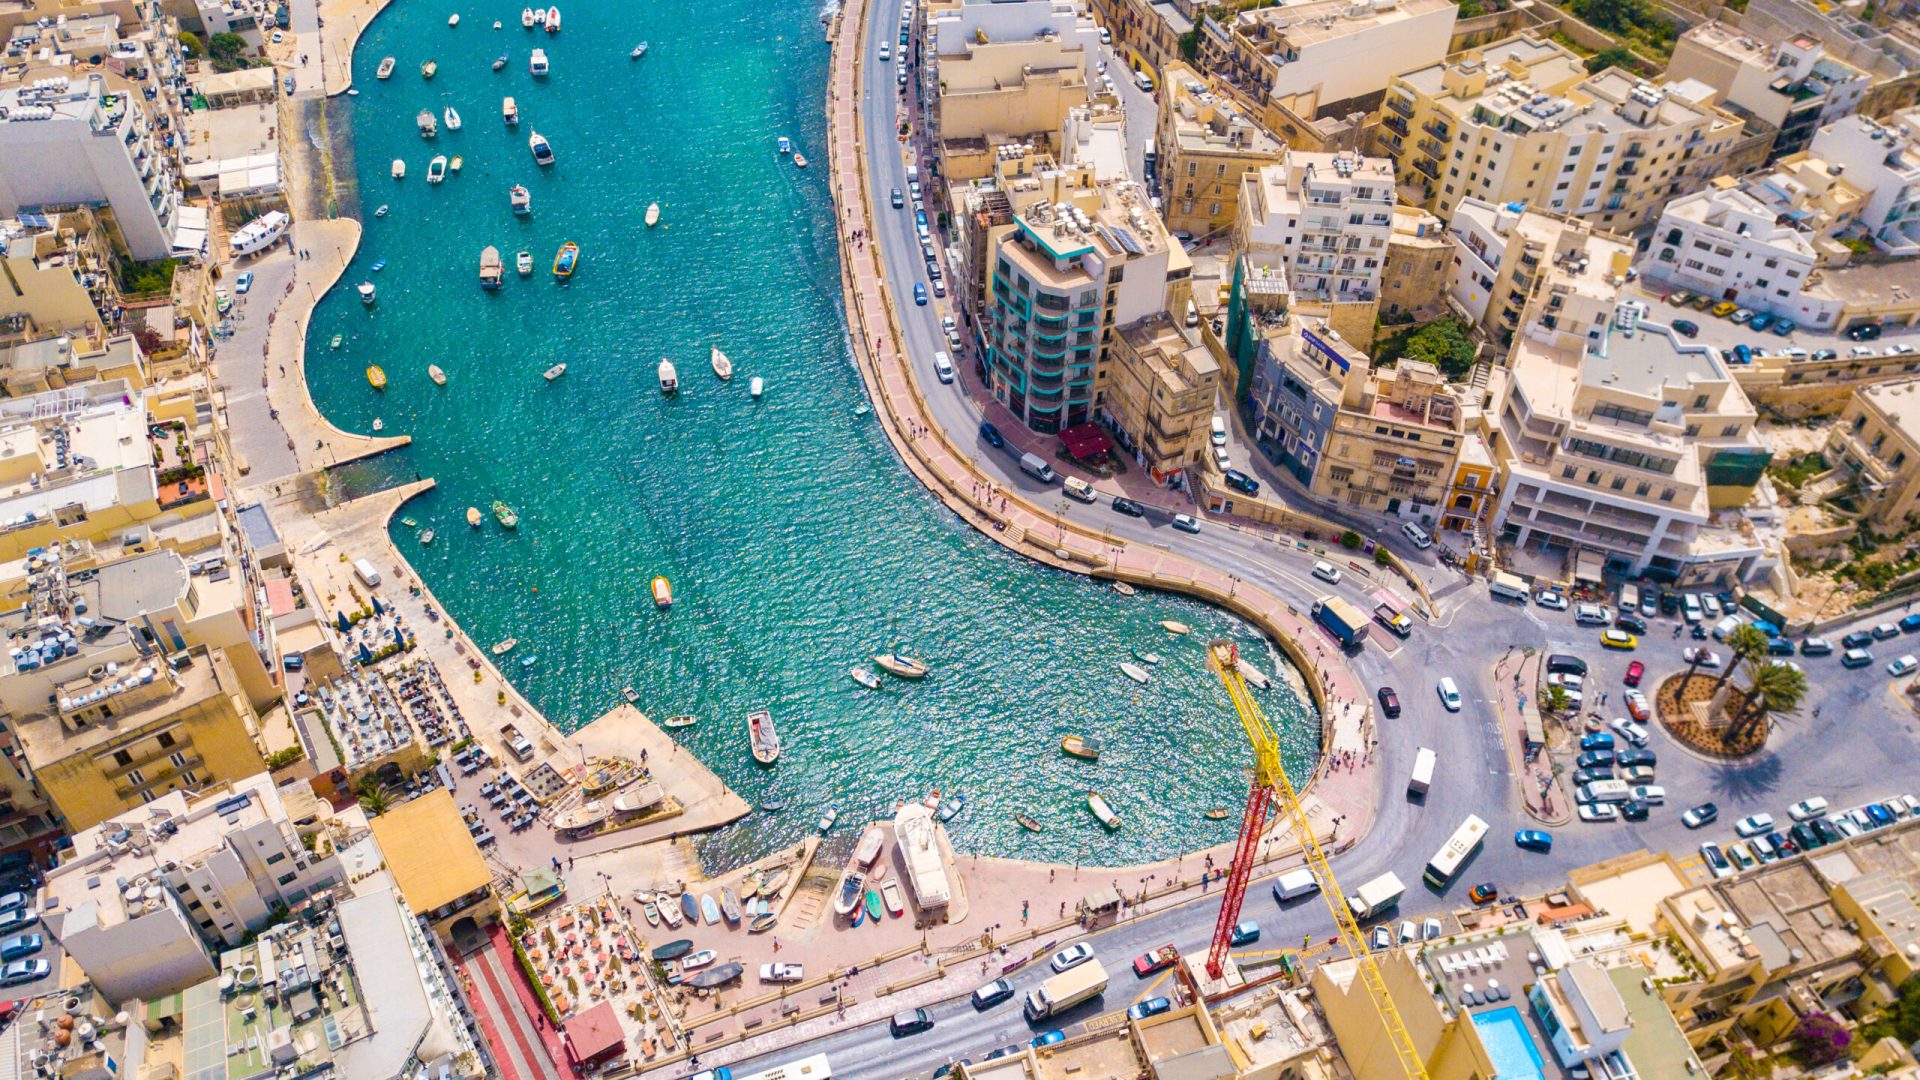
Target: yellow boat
376	378
662	593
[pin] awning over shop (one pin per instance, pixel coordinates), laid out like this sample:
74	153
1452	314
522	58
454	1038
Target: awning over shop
1589	567
595	1034
1104	899
1085	441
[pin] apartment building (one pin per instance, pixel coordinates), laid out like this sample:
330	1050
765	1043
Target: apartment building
1207	143
1621	440
1496	263
1160	395
1325	218
1075	265
1413	280
1146	32
1521	121
77	142
1006	72
178	878
1727	244
1793	85
1878	157
1877	439
1324	56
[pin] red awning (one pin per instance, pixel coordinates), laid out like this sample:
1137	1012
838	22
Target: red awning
595	1034
1085	441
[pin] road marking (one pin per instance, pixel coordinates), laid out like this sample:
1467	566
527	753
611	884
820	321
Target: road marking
1147	992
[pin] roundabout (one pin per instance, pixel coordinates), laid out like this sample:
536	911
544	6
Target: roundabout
1695	710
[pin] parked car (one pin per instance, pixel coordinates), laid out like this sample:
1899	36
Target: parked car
243	282
1072	956
1705	658
992	435
1784	326
21	945
1864	332
1594	759
1717	863
1885	631
782	973
1597	740
1552	600
1158	960
920	294
1816	646
1629	730
1637	706
23	971
1484	893
1686	328
1760	321
1618	639
1588	776
1048	1038
1245	933
1855	658
18	919
1628	759
1650	794
1126	506
1754	825
1904	665
1725	308
1590	811
1634	810
1242	483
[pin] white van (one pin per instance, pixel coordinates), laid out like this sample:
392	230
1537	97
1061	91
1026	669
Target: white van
368	576
1036	466
1605	791
1629	597
1294	884
1219	431
943	366
1193	314
1509	586
1724	627
1079	489
1417	535
1144	81
1691	607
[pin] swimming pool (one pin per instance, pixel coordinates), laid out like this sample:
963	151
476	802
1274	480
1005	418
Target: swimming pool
1509	1045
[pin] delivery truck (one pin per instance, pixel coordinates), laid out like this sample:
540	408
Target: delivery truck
1376	896
1065	990
1341	619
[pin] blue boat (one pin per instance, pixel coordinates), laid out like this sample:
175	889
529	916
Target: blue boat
379	266
530	660
691	905
952	807
786	145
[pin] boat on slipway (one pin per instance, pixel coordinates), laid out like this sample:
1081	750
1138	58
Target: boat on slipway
261	233
670	914
872	842
762	736
852	890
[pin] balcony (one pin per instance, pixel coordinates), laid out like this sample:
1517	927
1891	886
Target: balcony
1431	148
1401	105
1396	125
1436	129
1426	166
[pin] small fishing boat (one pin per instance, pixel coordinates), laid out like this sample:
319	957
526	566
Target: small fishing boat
335	343
1027	823
500	62
757	387
1135	672
427	69
542	149
376	378
520	199
864	677
672	950
696	961
859	916
729	905
786	145
382	211
639	51
366	292
1124	589
763	923
505	515
509	111
772	805
906	667
1146	657
653	214
750	888
566	261
437	169
662	592
714	976
491	271
890	895
871	841
690	907
426	537
453	20
652	913
777	878
1173	626
799	160
554	372
827	819
710	909
452	117
456	163
502	648
526	17
722	366
553	20
537	64
873	905
852	883
429	127
1255	677
473	516
379	425
669	378
523	262
496	24
399	169
670	914
378	265
386	68
1081	747
764	739
1097	803
1218	813
951	806
673	722
529	660
630	695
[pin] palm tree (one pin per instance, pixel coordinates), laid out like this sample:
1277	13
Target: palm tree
1749	648
373	795
1776	688
1554	700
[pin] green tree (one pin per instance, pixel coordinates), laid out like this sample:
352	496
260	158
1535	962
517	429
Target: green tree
373	796
1612	56
1443	343
1554	700
1749	648
226	46
1617	16
191	44
1902	1021
1775	690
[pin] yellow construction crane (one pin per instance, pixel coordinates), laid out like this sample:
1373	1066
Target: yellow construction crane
1270	782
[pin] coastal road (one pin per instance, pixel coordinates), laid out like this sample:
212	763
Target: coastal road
258	436
1860	746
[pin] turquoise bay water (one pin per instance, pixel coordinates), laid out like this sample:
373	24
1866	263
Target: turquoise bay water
796	542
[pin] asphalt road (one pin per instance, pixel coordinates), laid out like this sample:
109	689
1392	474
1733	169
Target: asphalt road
1859	747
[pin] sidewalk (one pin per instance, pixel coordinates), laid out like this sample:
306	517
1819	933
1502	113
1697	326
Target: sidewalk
1541	792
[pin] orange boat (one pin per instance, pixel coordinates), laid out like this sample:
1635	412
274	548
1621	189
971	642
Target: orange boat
662	593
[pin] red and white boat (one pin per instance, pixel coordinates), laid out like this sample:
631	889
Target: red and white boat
553	20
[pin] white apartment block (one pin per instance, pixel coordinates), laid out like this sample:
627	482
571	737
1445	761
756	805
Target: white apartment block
67	142
1325	217
1880	158
1793	85
172	880
1729	245
1317	53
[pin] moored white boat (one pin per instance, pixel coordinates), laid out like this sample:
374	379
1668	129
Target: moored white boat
440	377
537	63
799	160
764	739
520	199
500	62
437	169
526	17
1135	672
864	677
260	233
502	648
453	20
429	127
366	292
662	592
553	20
473	516
452	117
542	149
1097	803
554	372
757	387
523	262
1173	626
399	170
906	667
386	68
786	145
639	51
669	378
491	271
509	111
653	214
722	366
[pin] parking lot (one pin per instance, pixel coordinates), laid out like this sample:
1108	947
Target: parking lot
1724	334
